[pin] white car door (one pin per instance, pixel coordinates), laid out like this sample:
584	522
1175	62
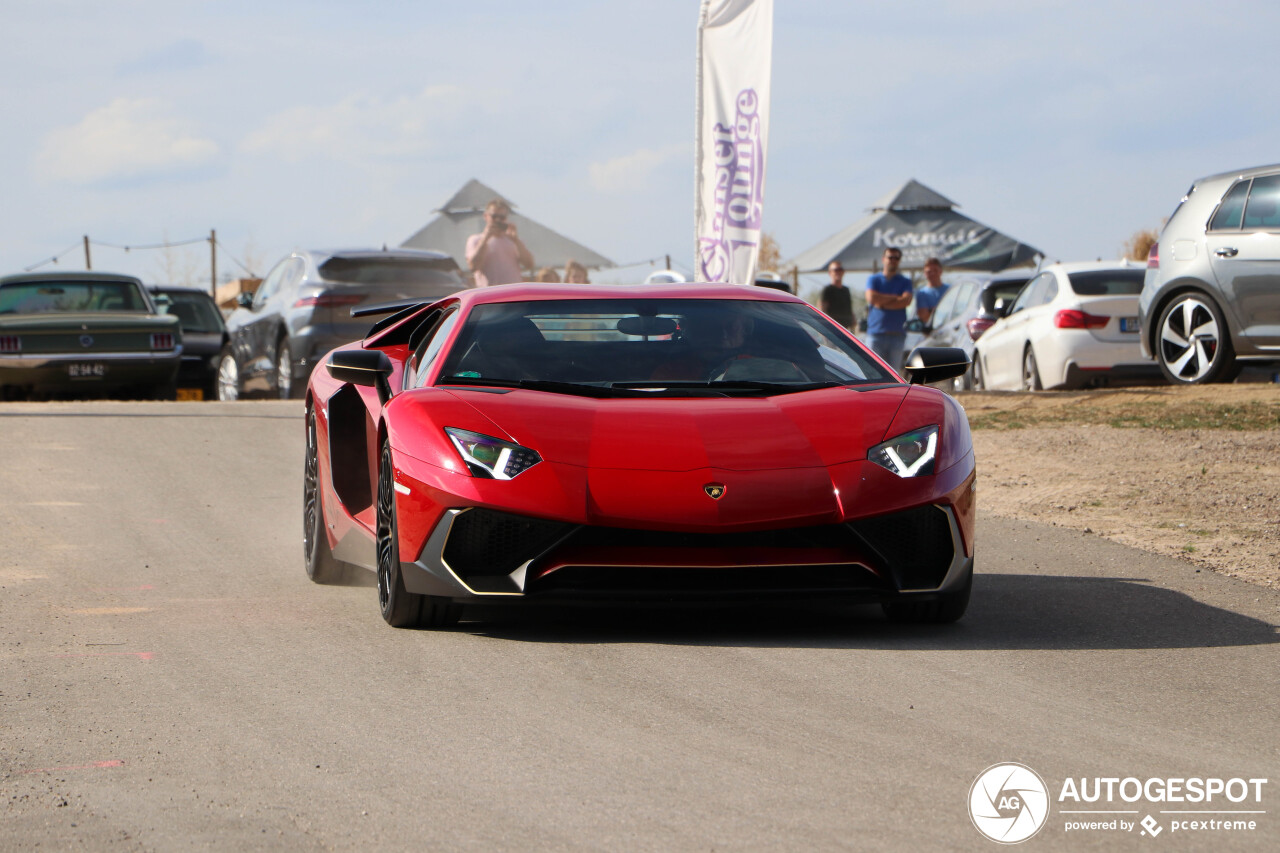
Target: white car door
1003	344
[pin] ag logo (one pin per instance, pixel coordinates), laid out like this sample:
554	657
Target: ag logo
715	491
1008	803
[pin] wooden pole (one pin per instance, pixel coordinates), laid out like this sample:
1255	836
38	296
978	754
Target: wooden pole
668	266
213	263
88	264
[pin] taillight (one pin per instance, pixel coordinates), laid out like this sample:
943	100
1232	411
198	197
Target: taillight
1153	256
161	340
10	343
329	300
977	326
1072	319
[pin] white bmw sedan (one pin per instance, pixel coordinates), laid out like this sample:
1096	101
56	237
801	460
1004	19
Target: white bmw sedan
1071	326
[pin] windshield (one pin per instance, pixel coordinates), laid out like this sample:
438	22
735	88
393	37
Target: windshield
195	311
59	297
662	346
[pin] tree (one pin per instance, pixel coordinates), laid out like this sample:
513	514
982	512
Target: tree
770	255
1137	247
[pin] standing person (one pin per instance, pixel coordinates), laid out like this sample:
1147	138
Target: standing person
496	254
888	295
547	275
928	297
575	273
836	301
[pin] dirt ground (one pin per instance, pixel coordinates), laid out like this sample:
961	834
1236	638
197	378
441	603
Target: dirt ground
1189	472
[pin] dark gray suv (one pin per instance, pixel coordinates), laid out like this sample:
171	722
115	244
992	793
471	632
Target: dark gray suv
1211	297
302	310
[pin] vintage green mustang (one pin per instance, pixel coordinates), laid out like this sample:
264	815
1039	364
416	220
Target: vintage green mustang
82	334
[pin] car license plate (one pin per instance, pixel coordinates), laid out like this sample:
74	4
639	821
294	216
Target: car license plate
86	370
189	394
1128	324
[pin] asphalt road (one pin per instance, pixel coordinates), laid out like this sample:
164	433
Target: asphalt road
170	680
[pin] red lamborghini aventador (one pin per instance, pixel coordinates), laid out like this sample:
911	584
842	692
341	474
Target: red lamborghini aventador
545	442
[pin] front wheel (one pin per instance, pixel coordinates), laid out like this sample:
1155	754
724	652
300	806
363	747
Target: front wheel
322	566
1194	346
228	377
1030	371
977	383
401	608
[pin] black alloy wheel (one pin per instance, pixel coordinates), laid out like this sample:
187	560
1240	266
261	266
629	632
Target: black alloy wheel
401	608
1030	371
322	566
1194	345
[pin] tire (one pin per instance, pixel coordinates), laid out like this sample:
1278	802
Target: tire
1030	371
228	380
964	382
321	565
1193	344
401	608
943	610
284	384
977	383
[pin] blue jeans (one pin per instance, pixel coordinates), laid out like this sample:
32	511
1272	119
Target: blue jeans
888	347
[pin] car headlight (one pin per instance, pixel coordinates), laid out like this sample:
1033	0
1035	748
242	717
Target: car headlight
491	458
909	455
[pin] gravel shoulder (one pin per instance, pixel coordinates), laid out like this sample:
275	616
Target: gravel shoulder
1192	473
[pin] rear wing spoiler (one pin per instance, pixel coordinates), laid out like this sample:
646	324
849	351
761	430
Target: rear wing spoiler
387	307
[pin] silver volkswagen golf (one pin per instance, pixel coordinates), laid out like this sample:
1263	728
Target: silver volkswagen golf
1211	296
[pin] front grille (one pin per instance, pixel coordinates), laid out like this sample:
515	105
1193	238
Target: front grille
722	582
914	546
484	542
621	538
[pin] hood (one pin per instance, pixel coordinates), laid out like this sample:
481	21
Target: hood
808	429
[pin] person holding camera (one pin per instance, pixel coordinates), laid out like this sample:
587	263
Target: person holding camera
496	254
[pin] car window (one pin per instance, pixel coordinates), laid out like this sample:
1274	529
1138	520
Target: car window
946	305
195	311
53	297
270	284
292	275
1231	208
430	348
1028	295
1048	291
1263	209
1107	282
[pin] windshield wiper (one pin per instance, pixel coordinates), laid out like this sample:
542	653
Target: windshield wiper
536	385
726	385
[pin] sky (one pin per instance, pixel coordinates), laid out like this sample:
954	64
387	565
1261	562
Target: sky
288	125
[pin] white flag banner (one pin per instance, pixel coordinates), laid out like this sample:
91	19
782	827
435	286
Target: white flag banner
735	63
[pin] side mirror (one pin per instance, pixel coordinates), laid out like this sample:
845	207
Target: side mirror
927	365
368	367
244	299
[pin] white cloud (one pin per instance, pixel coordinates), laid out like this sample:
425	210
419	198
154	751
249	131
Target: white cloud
128	138
357	127
635	171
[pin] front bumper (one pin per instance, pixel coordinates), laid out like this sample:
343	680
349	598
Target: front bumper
476	554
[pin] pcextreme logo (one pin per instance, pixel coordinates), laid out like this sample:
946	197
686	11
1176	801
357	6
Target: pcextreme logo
1008	803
